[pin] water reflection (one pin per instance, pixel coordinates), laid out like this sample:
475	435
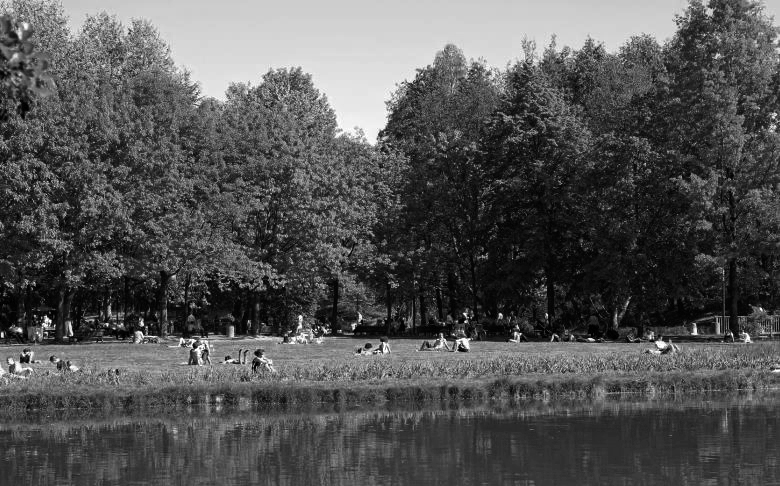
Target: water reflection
702	442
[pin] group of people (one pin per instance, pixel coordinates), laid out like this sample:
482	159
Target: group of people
368	349
20	369
460	344
200	355
301	335
260	362
743	337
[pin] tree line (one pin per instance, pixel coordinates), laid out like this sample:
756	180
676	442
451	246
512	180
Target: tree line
573	182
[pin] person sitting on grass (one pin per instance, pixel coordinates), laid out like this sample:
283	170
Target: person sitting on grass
261	362
62	365
17	369
461	345
744	337
516	335
728	337
195	353
28	357
205	353
241	359
384	347
439	344
138	336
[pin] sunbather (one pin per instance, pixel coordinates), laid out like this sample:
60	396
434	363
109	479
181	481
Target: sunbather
241	359
183	343
515	336
461	345
62	365
4	374
366	350
662	347
28	357
17	369
384	347
195	353
261	361
439	344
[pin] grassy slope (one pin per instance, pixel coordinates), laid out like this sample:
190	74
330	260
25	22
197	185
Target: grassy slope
154	375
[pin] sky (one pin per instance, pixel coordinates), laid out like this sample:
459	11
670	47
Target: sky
358	51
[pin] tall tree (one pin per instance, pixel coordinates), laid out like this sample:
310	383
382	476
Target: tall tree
537	147
724	64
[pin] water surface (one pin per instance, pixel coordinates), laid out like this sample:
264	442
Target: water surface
715	442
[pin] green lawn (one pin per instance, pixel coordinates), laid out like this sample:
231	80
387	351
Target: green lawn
339	351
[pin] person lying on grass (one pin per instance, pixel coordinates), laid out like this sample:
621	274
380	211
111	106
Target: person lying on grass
261	362
62	365
439	344
241	360
461	345
183	343
567	337
366	350
590	340
28	357
662	347
17	369
4	374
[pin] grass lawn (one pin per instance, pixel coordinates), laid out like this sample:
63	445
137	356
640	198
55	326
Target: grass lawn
335	351
155	375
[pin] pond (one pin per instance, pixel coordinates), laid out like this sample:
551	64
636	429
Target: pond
705	441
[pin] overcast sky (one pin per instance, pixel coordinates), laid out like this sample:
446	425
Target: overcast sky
358	50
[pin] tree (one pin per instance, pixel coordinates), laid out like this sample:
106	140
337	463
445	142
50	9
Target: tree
723	64
537	147
436	120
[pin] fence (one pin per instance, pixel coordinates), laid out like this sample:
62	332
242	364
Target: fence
770	324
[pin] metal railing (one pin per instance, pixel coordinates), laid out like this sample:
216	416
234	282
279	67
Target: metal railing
770	324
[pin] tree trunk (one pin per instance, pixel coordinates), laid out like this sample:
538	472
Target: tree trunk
162	302
451	295
550	295
255	315
65	298
334	318
439	304
389	301
733	297
619	312
125	297
59	327
474	300
186	296
423	307
414	315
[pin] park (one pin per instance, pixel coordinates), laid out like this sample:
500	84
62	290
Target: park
558	266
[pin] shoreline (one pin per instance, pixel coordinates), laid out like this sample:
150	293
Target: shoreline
286	396
152	377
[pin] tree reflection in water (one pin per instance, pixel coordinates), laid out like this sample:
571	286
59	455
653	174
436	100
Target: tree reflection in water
593	443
